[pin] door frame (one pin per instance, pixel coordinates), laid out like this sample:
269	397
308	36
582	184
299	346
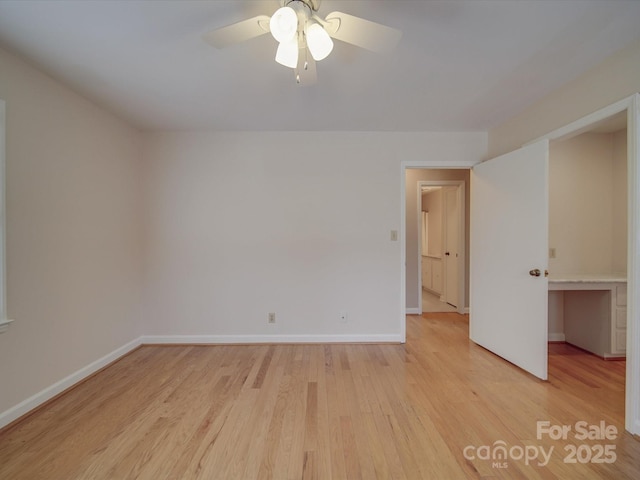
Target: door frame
4	321
404	166
632	106
460	218
460	192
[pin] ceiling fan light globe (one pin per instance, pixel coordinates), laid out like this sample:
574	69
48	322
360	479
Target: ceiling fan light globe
319	42
287	53
284	24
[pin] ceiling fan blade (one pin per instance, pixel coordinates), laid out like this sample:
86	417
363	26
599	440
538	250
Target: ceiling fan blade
306	73
362	33
238	32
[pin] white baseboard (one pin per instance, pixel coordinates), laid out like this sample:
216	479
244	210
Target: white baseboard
556	337
48	393
246	339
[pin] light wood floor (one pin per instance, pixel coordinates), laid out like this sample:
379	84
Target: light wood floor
431	303
323	411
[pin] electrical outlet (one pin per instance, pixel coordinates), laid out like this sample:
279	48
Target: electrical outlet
343	317
272	317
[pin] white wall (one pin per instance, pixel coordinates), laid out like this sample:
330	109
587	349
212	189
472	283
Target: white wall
213	230
73	235
615	78
587	211
242	224
432	203
556	316
620	203
585	227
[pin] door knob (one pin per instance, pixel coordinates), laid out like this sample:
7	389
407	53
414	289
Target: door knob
535	272
446	253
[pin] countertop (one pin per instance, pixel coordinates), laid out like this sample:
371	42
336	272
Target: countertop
588	278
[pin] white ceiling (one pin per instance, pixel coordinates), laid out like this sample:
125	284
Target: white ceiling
460	66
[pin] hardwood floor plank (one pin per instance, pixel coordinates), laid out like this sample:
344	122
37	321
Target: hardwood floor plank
323	447
297	426
311	418
258	425
264	366
273	437
338	465
309	466
390	448
425	409
351	461
206	425
357	431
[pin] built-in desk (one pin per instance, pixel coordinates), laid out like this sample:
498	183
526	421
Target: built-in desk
594	311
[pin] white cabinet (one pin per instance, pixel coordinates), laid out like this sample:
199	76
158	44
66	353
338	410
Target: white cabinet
426	273
432	274
619	326
594	312
436	275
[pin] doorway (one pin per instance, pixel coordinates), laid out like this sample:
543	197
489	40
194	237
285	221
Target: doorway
631	106
441	217
415	179
588	227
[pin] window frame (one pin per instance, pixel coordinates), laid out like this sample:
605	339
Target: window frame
4	321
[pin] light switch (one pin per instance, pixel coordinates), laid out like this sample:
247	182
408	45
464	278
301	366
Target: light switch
394	235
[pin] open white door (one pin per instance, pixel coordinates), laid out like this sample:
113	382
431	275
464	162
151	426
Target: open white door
509	245
451	242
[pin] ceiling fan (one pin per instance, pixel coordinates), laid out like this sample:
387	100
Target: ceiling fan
304	37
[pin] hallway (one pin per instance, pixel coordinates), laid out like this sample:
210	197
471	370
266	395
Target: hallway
431	303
